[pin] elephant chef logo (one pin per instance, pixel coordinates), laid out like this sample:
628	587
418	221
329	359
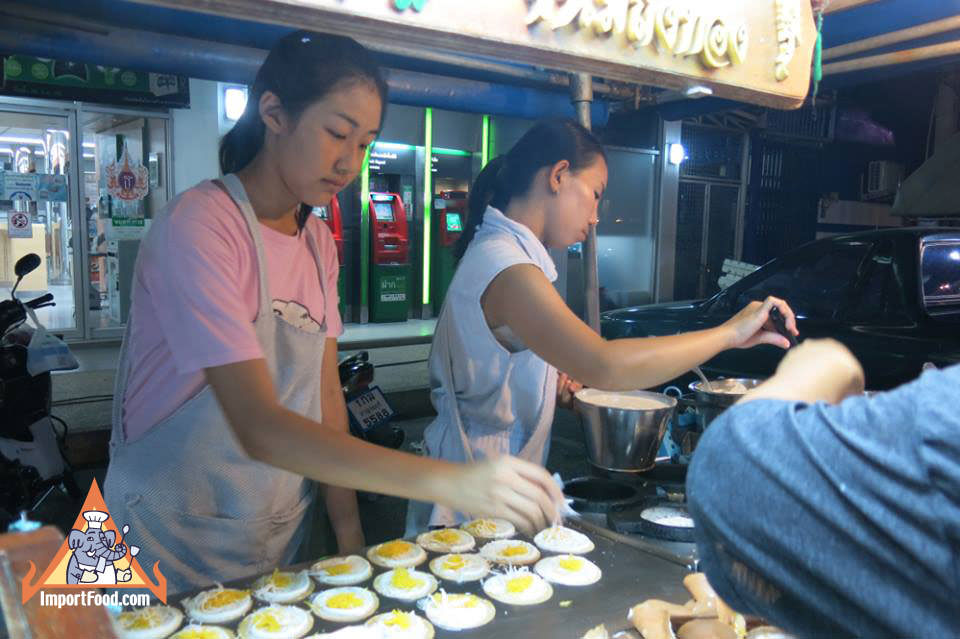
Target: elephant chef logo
95	554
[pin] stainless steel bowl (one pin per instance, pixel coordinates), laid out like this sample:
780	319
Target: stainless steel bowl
623	439
711	403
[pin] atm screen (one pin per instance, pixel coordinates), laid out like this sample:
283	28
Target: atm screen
453	223
322	212
383	211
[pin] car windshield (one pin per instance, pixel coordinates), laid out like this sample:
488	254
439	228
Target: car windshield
940	274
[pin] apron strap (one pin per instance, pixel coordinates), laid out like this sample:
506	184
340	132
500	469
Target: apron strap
239	195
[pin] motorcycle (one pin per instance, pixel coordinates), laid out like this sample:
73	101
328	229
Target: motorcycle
367	407
32	463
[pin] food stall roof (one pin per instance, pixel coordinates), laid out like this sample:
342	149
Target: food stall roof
896	26
731	52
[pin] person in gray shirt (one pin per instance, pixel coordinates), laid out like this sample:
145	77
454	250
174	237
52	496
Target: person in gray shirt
830	513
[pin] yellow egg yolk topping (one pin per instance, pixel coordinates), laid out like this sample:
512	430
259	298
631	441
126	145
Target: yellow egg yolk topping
454	562
519	584
446	536
224	598
484	526
141	619
338	569
458	600
199	633
344	600
402	579
571	564
514	551
394	549
281	579
399	619
267	621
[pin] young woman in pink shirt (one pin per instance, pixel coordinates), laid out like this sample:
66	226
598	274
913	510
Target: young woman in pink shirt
228	399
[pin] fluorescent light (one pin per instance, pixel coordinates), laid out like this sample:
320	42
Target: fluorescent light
394	146
955	255
234	102
90	145
15	139
89	155
677	153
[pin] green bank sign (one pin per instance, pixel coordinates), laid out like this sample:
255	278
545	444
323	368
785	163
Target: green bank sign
30	76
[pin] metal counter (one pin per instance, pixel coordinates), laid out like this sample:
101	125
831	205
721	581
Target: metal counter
630	576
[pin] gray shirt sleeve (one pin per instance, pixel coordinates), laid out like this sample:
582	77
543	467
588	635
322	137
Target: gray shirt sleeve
836	520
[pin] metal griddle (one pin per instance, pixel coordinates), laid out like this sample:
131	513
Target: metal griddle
630	576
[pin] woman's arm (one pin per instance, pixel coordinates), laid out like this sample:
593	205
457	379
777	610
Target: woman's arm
506	487
341	502
522	298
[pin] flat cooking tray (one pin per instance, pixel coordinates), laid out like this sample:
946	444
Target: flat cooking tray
629	577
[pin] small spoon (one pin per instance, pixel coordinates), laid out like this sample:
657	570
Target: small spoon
703	378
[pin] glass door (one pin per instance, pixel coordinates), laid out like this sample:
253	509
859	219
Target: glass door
36	211
124	187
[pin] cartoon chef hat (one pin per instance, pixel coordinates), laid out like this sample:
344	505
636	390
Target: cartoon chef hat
95	518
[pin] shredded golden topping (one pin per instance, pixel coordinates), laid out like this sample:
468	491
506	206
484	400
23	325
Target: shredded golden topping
338	569
344	600
454	562
403	580
399	619
519	584
224	598
393	549
514	551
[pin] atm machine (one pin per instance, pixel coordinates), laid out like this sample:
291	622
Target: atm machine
331	215
390	259
450	213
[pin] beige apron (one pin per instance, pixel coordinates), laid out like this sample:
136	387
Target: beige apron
193	499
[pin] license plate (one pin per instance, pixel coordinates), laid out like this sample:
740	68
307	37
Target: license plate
369	409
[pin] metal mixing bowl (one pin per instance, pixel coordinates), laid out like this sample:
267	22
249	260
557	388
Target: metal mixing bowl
623	439
710	403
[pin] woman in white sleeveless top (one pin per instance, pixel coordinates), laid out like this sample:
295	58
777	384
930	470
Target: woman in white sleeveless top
504	331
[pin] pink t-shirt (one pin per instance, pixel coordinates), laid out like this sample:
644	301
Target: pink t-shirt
195	297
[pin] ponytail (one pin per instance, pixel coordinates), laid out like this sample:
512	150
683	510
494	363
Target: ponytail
507	176
482	194
242	143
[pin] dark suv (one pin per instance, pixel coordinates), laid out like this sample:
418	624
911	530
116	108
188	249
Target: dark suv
892	296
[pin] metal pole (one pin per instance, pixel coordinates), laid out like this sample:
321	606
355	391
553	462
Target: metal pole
581	85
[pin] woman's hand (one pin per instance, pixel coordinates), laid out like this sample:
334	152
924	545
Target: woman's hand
752	325
513	489
567	387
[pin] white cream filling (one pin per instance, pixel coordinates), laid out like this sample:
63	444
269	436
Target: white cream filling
411	558
293	621
360	570
490	528
474	567
369	605
493	551
419	629
384	585
565	540
218	632
451	613
234	610
164	620
551	570
496	587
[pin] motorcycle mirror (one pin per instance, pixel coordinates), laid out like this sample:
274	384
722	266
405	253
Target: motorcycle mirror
26	264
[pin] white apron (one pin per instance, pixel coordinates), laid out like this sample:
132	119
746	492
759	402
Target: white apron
490	400
194	500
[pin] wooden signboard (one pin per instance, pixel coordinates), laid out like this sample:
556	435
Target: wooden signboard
756	51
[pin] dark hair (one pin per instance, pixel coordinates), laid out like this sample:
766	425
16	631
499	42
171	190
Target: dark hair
301	68
506	176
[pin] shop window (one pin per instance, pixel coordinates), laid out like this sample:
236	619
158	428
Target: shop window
940	274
